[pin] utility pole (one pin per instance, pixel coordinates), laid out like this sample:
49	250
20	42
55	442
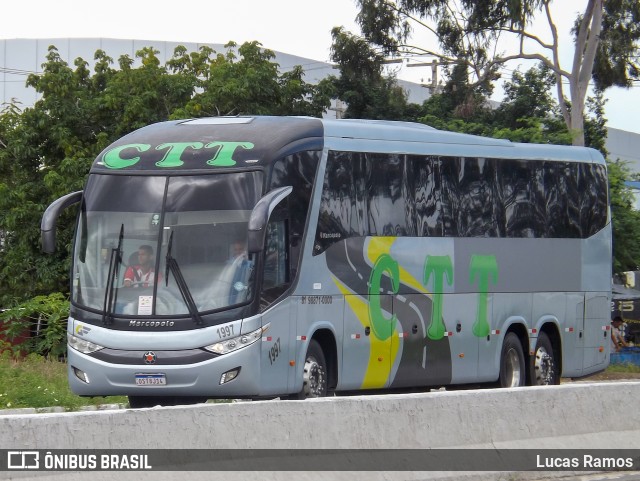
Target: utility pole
434	64
434	73
339	109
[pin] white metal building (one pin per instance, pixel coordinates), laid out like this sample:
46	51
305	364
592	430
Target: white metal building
21	57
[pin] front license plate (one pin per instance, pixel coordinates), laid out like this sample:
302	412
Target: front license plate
151	379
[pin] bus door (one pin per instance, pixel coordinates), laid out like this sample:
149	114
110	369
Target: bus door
460	315
277	348
573	335
488	329
277	339
597	338
369	338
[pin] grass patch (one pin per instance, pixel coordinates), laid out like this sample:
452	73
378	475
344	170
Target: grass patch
627	367
35	382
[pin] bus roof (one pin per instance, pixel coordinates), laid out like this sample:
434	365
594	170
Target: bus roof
422	139
224	142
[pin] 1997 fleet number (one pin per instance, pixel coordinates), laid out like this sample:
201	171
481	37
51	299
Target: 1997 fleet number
225	331
274	351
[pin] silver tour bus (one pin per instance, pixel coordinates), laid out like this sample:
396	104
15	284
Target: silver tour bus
252	257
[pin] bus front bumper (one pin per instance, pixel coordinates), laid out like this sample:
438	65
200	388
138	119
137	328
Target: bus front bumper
89	376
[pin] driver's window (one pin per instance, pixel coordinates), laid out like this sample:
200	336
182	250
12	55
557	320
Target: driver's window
276	272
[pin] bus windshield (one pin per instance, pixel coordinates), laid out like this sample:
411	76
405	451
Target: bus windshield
152	245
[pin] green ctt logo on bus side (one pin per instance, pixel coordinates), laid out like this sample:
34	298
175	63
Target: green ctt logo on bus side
483	269
220	153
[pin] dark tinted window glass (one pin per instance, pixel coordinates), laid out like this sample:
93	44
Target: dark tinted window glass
117	193
214	192
476	208
409	202
361	170
521	185
298	171
560	197
450	168
424	191
397	195
387	202
338	216
275	260
593	205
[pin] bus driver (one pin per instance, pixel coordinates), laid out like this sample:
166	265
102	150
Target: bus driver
142	273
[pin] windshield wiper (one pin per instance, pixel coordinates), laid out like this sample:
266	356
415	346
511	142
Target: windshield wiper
173	267
111	292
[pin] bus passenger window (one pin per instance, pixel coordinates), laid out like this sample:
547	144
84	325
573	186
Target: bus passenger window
275	260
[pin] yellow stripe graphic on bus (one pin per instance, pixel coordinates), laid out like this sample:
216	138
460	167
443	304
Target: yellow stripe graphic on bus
382	245
378	372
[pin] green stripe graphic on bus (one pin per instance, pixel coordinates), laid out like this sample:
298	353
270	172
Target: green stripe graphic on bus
438	268
392	300
382	327
384	296
215	154
484	269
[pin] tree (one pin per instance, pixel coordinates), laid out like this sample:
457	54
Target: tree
135	97
528	112
245	80
616	61
43	152
595	126
368	93
528	94
606	41
46	150
625	220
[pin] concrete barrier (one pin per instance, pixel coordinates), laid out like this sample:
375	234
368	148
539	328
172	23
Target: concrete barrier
578	415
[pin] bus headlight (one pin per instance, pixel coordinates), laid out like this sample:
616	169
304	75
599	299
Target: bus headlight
85	347
235	343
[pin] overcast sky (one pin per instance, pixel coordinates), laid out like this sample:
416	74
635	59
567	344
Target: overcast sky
298	27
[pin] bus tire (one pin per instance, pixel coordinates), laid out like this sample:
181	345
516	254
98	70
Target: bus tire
136	402
544	368
512	365
314	374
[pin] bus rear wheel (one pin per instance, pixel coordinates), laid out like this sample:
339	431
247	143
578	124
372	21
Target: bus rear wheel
512	365
544	370
136	402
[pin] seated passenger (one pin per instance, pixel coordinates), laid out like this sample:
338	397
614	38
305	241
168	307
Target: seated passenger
617	337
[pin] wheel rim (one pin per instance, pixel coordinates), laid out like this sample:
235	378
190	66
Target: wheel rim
513	369
314	379
544	368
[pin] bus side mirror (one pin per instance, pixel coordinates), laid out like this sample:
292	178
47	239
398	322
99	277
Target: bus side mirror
260	217
50	219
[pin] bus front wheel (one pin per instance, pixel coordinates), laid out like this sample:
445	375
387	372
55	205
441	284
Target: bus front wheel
512	365
544	370
314	374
